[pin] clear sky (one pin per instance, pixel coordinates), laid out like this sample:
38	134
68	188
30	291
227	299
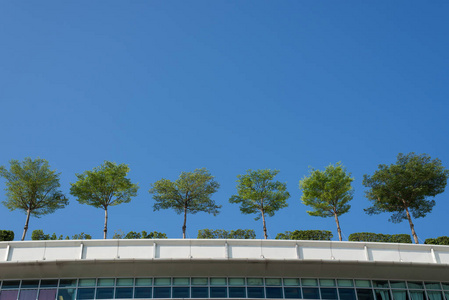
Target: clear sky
171	86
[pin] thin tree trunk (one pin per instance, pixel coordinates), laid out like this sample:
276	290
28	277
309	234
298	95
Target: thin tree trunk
338	226
264	225
412	227
105	230
185	221
26	224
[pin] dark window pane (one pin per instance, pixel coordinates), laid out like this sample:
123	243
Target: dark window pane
66	294
104	293
328	293
10	284
365	294
67	282
398	284
415	285
200	292
429	285
218	292
161	292
435	295
30	284
28	295
124	293
237	292
181	292
47	294
256	292
346	294
417	295
311	293
274	292
8	295
49	283
86	293
382	295
380	283
142	292
400	295
292	293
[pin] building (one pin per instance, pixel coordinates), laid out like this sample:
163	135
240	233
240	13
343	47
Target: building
222	269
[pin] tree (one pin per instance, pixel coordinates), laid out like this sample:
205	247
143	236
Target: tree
190	193
259	194
404	188
328	192
32	187
104	186
318	235
224	234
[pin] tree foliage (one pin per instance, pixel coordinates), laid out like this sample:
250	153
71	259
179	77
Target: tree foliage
405	188
442	240
259	194
6	235
33	188
39	235
225	234
104	186
379	237
190	193
328	192
145	235
319	235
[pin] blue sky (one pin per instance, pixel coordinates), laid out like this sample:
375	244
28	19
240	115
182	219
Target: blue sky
170	86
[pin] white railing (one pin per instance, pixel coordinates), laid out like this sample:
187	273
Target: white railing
177	249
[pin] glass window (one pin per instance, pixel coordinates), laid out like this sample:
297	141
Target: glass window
362	283
106	282
236	281
346	294
86	293
400	295
292	293
49	283
200	292
380	283
327	282
237	292
311	293
256	292
429	285
446	294
435	295
125	282
398	284
365	294
181	292
181	281
345	282
445	286
254	281
142	292
415	285
66	294
104	293
123	292
8	295
87	282
10	284
218	281
199	281
28	295
291	281
382	294
29	284
218	292
309	282
274	292
143	281
417	295
328	293
162	281
162	292
273	281
49	294
67	283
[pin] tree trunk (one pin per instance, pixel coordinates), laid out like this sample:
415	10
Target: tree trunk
105	230
338	226
412	227
264	225
185	221
26	224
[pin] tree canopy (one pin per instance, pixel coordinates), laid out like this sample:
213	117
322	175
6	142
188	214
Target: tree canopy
104	186
259	194
190	193
33	188
405	189
328	192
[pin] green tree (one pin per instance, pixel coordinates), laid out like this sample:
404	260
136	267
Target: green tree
404	188
259	194
328	192
32	187
190	193
224	234
104	186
